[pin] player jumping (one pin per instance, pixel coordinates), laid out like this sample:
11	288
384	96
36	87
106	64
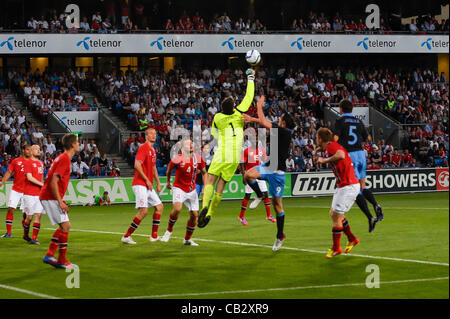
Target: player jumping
276	179
51	196
228	128
187	166
345	194
145	173
34	172
350	132
252	157
17	169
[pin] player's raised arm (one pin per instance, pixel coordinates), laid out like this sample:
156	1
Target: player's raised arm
249	94
262	118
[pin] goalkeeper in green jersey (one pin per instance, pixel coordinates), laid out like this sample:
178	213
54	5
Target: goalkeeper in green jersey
98	200
228	128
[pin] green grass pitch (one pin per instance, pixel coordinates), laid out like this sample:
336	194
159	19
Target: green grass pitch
410	247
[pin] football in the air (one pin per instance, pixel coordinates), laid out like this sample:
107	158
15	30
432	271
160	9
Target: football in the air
253	57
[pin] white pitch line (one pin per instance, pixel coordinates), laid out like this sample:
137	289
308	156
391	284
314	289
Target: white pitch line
384	208
28	292
281	289
283	247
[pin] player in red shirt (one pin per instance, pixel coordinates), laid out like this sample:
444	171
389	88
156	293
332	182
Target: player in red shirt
34	173
16	168
187	165
251	157
347	190
145	172
51	196
396	159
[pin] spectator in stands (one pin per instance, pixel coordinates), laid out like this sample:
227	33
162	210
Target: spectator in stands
80	169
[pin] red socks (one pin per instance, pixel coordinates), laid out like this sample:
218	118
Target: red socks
54	243
267	204
63	237
243	208
348	231
36	228
26	229
9	221
133	226
156	222
172	221
190	227
337	232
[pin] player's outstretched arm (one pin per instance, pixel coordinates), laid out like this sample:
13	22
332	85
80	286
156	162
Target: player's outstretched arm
5	178
340	155
249	94
262	118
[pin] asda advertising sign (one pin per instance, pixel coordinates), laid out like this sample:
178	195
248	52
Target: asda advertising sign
80	191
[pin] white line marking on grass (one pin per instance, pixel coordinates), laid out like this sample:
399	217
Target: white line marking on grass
282	289
284	247
384	208
28	292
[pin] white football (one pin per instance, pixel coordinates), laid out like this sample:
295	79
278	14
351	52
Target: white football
253	57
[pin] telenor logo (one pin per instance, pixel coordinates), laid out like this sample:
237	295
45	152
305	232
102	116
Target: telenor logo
364	44
84	43
233	43
88	43
430	44
8	44
159	45
229	43
298	43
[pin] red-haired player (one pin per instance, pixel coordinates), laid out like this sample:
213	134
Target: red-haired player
187	165
251	158
17	169
347	190
51	196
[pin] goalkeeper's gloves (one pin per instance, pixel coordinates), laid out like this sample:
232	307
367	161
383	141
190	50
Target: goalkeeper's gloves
250	74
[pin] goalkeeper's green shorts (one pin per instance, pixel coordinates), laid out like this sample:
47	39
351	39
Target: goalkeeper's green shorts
223	170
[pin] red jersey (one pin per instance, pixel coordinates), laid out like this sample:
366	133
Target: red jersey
186	170
343	169
61	167
396	158
36	168
252	157
407	158
17	167
147	155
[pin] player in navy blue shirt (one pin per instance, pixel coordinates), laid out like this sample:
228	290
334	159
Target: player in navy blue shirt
350	132
276	175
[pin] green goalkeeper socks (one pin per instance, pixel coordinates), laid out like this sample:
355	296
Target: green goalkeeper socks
215	202
207	194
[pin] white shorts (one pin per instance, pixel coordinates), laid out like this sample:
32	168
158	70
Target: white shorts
190	200
14	199
32	205
54	212
344	197
145	197
262	186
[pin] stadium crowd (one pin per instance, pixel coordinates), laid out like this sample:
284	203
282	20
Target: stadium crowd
106	22
166	101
